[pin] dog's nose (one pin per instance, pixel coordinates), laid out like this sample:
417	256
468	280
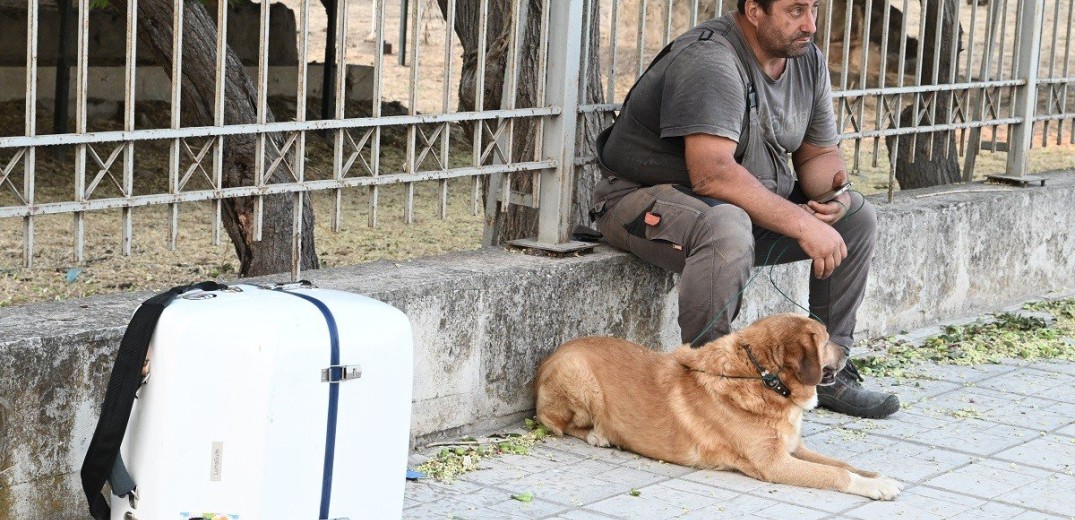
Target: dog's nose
835	366
828	376
839	364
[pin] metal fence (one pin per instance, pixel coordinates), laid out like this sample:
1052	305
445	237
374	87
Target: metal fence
1012	78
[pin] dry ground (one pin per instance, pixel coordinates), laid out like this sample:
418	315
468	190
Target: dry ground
153	266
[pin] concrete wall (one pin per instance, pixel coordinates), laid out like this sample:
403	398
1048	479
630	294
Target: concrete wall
483	320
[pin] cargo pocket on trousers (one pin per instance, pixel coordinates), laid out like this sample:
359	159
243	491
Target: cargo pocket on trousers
669	222
637	227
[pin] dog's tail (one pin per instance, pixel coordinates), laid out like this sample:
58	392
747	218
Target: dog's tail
566	390
544	403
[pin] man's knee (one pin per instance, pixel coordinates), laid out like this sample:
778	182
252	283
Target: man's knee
727	229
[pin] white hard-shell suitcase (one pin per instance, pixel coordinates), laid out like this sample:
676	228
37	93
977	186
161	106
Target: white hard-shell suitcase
284	403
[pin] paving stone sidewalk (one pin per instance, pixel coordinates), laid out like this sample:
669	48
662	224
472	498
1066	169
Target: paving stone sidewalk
993	441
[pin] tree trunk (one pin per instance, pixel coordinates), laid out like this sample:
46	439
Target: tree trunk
858	8
930	159
63	71
272	254
497	38
591	124
520	221
328	77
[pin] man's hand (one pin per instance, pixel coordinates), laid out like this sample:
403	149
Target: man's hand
824	246
831	212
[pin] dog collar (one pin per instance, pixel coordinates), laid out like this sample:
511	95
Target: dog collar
770	380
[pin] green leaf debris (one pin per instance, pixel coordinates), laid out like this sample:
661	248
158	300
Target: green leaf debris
462	457
1029	337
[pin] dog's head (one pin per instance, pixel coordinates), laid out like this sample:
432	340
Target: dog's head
799	346
795	348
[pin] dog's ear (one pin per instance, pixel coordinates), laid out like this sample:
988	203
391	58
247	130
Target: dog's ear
808	359
688	357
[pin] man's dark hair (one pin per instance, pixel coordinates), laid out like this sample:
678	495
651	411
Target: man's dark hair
742	5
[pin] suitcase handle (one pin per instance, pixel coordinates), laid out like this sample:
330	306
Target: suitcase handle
287	286
123	384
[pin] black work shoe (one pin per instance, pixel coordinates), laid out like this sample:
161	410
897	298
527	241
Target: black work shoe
847	396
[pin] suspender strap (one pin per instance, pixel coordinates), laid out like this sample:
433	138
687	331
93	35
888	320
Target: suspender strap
667	49
119	397
705	36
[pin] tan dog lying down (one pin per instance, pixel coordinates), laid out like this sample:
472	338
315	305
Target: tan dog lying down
706	407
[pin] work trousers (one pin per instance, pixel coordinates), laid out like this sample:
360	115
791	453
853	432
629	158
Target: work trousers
714	245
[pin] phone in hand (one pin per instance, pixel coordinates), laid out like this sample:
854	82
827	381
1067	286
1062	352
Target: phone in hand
828	196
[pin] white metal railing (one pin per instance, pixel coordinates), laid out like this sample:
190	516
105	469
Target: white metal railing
1008	84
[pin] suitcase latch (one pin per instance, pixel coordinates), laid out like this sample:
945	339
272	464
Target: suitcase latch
341	373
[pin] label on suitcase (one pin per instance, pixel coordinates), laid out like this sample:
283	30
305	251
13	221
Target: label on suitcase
272	403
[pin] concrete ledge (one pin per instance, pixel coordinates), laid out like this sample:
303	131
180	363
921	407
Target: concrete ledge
483	320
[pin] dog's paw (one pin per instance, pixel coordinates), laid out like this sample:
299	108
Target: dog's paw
878	488
595	439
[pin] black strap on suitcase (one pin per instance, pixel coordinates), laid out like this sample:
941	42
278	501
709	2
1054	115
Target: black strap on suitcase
123	384
334	374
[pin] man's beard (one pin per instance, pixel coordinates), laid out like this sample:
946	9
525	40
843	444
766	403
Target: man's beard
799	49
775	46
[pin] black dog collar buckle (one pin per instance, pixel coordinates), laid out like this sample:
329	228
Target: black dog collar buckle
772	381
775	384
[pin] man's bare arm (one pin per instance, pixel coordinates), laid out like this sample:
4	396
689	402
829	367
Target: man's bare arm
821	169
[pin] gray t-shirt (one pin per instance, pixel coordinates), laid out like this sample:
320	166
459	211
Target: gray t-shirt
703	86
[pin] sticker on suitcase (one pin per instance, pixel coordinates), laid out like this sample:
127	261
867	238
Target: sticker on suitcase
206	516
